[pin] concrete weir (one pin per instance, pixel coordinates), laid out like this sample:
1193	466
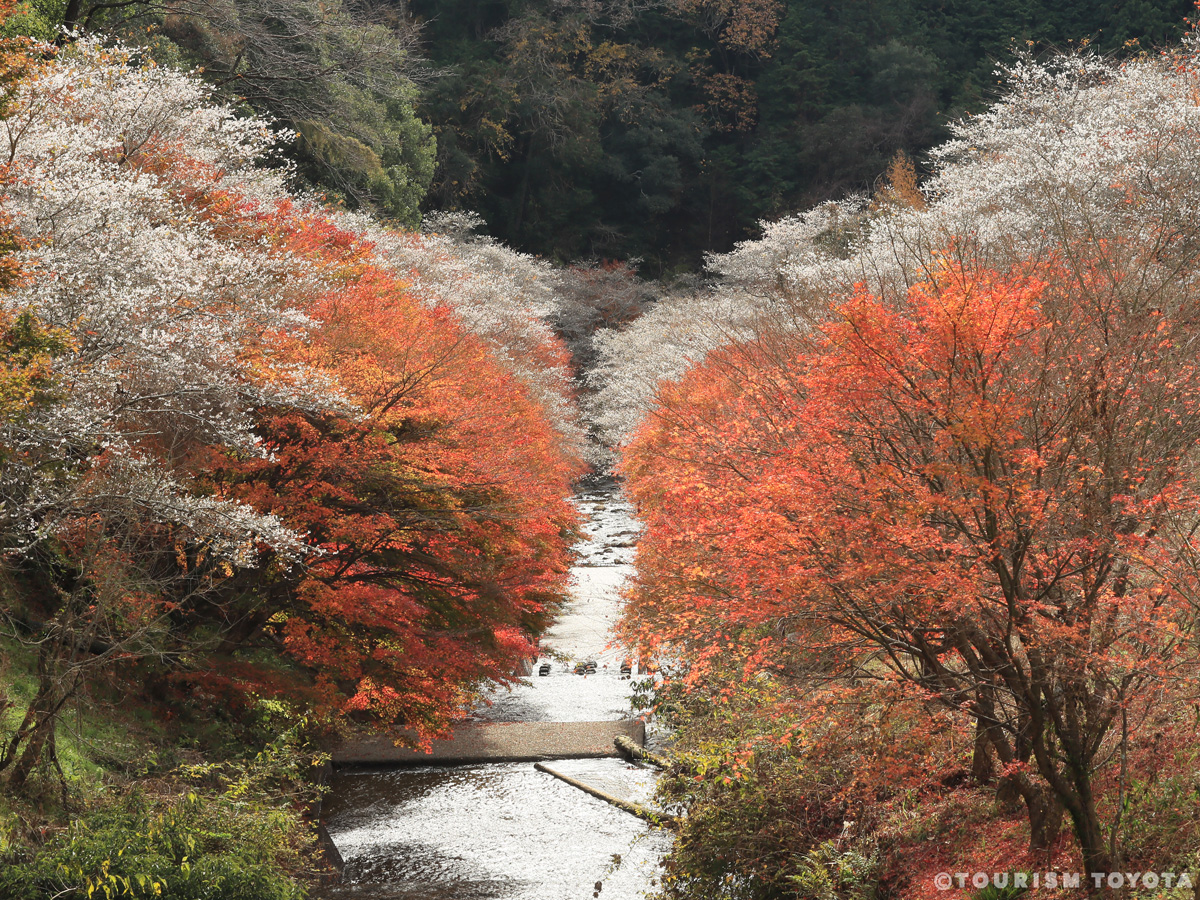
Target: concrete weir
498	742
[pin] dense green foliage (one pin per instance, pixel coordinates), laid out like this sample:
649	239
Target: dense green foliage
191	847
607	129
231	830
666	129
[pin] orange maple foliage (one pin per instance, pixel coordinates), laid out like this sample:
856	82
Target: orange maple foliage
437	510
983	492
435	504
747	26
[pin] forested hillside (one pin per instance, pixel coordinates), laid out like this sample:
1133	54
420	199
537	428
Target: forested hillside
665	129
610	128
339	76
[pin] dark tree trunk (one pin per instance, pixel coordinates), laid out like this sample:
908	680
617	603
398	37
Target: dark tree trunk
73	15
1042	805
35	735
1008	794
37	740
1088	830
23	730
982	770
1045	819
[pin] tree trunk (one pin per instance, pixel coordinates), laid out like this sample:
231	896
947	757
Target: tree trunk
1088	830
36	732
73	14
1042	806
982	770
36	741
1045	819
27	724
1008	794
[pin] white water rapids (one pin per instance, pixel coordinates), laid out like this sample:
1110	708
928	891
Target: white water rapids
505	831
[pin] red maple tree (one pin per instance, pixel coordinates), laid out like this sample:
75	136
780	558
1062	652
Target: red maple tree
436	505
983	491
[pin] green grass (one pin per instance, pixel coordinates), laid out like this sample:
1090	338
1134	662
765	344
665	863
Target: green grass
98	736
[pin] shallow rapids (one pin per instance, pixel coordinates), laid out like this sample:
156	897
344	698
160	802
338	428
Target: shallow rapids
507	831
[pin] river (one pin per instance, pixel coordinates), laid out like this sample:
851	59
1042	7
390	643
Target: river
507	831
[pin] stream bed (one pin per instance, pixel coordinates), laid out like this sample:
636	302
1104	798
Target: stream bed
506	831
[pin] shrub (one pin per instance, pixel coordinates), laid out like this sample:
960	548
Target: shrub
189	847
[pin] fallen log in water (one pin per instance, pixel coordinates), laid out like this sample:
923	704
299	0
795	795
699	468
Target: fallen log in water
661	819
632	750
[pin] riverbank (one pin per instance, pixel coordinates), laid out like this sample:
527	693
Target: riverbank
135	796
164	787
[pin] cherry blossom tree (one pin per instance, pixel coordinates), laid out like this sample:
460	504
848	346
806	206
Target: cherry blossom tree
254	423
172	325
1081	150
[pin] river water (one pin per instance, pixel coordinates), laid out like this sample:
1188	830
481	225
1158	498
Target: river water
507	831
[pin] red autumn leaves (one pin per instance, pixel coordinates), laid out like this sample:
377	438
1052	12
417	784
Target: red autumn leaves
430	499
435	506
979	490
